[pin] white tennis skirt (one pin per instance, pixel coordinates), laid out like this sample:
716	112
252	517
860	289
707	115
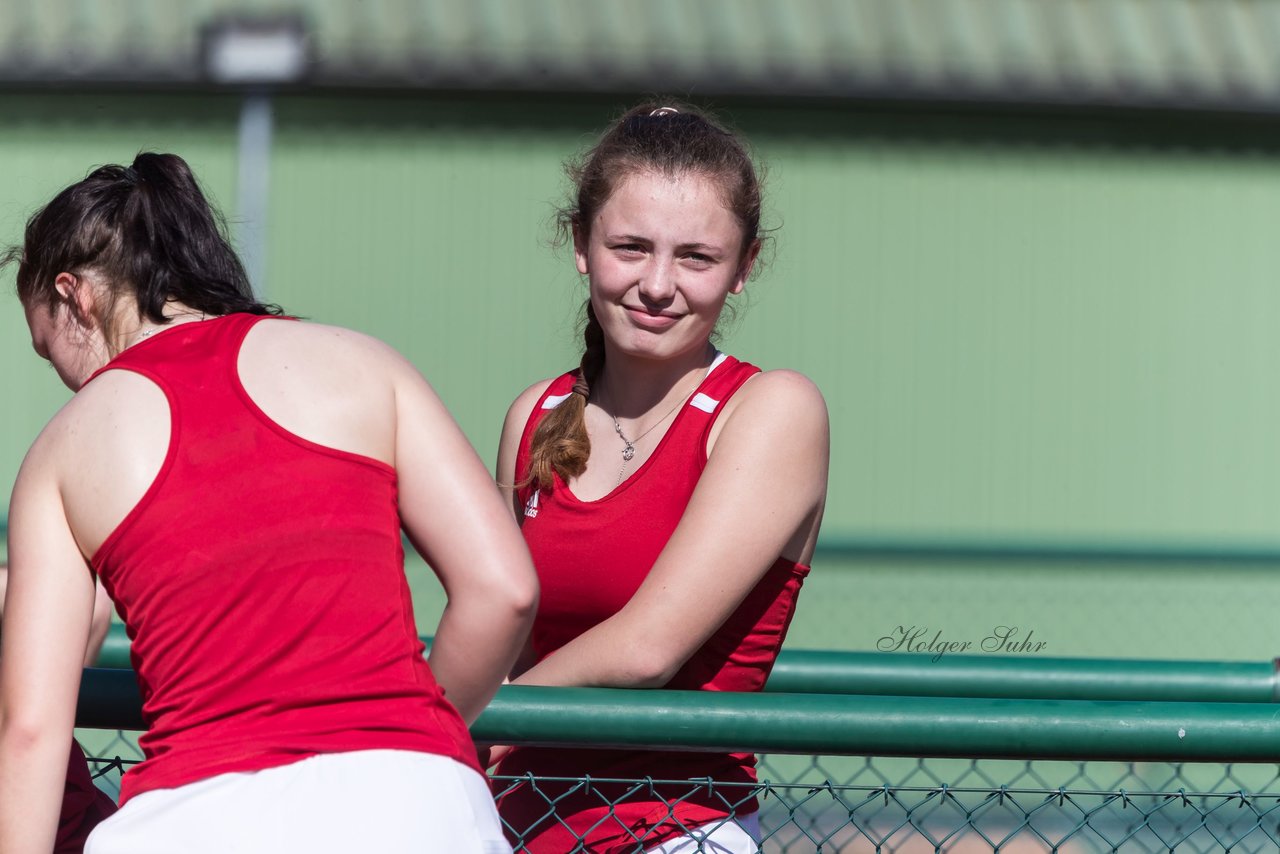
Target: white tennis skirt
739	835
384	801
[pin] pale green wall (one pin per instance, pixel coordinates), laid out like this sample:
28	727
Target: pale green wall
1024	330
1024	339
48	141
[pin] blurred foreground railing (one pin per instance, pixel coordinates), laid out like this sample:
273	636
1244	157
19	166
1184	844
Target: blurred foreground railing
1037	775
834	724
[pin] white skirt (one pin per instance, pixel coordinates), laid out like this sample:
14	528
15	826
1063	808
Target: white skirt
388	801
739	835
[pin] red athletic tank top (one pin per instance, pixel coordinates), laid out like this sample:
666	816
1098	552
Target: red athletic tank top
261	580
591	557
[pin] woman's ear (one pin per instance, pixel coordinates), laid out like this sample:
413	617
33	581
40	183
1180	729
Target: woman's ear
65	284
580	241
745	267
78	295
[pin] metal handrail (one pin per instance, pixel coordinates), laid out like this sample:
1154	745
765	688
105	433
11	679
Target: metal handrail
1028	677
830	724
996	675
1003	549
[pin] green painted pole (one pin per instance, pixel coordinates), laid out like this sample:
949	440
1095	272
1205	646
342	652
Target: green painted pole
995	675
1050	552
1029	678
843	724
830	724
1046	552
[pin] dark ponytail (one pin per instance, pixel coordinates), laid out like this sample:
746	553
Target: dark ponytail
663	137
149	231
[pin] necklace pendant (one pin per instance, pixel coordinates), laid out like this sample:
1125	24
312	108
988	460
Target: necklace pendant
628	452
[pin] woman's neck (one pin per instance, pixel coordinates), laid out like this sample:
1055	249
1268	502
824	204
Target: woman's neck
140	328
633	387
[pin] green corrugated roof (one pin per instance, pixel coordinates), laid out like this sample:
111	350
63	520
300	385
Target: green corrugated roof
1137	52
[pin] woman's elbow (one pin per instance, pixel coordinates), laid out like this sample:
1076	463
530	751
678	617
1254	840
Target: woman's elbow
507	587
648	665
25	733
523	599
517	595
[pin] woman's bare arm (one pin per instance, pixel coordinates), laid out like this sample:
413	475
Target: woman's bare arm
48	613
459	521
99	627
760	496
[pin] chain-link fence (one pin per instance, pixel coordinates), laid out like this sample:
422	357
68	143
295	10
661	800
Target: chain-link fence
893	805
1142	776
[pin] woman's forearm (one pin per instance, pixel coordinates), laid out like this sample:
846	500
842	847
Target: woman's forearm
474	648
33	765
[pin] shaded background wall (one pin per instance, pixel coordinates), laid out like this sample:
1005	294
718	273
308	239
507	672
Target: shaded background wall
1046	334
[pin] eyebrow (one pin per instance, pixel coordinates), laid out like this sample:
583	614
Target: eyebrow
636	238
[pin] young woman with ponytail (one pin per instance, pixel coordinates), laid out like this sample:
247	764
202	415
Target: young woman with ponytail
238	481
670	495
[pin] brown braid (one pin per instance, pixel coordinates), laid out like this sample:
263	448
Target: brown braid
560	445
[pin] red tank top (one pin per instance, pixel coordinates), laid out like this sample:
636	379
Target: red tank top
591	557
261	581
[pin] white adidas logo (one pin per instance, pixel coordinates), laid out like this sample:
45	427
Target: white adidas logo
531	506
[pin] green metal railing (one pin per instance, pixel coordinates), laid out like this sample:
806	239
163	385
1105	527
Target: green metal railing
839	724
1075	775
1048	551
924	675
1038	550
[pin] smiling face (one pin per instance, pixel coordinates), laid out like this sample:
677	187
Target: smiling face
662	255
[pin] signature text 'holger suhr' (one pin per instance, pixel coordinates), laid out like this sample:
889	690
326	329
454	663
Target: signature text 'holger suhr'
920	639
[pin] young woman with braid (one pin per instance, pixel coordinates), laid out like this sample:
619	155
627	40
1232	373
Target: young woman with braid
239	482
670	494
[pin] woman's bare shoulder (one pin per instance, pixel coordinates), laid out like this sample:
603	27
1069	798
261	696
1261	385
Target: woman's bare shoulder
101	451
332	341
108	403
776	402
323	358
784	395
783	382
522	407
513	426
